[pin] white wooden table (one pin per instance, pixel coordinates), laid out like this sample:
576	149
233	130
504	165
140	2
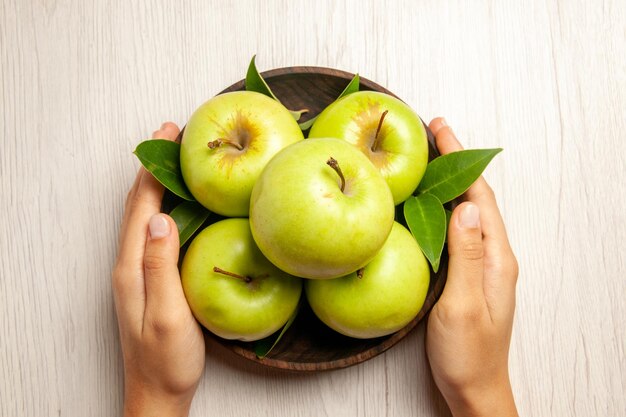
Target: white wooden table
83	82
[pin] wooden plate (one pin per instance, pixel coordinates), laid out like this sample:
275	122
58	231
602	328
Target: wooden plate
309	345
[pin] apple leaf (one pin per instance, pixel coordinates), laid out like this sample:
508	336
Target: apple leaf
352	87
448	176
161	157
254	81
263	347
189	216
307	125
426	219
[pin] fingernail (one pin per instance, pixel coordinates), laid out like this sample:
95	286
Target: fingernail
163	126
443	122
469	217
159	227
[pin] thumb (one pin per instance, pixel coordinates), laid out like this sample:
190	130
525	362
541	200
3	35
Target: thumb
162	279
465	246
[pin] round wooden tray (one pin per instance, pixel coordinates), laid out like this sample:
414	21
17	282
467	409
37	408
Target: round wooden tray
309	345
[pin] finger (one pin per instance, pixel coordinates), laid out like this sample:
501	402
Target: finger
142	204
143	200
168	130
164	291
500	264
465	266
444	136
128	286
129	197
480	193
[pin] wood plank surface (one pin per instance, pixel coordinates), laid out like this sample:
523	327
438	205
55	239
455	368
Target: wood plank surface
81	83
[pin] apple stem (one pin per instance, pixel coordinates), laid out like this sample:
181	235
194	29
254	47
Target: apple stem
380	125
359	273
244	278
332	162
218	142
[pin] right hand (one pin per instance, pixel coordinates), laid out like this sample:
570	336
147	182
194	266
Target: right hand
469	328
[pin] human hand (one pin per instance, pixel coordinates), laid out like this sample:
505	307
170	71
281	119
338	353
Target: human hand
469	328
162	344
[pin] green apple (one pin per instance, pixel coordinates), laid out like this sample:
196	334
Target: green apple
320	209
231	288
226	144
386	130
379	299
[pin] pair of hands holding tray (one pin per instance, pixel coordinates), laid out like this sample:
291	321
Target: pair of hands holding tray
469	327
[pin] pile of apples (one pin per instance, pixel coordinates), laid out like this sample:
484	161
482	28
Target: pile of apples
313	215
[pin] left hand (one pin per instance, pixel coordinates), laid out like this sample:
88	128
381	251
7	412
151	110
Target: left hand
162	344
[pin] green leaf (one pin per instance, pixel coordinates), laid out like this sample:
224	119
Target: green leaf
448	176
189	216
263	347
254	81
307	125
426	219
161	157
352	87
